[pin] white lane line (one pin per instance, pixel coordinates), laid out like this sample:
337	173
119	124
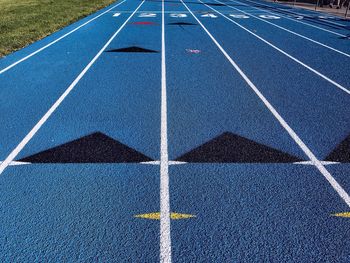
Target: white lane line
15	163
281	51
311	163
165	239
336	186
286	17
158	163
47	115
151	163
287	30
331	22
176	163
311	13
58	39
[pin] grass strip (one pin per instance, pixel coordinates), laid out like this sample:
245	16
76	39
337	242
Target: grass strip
23	22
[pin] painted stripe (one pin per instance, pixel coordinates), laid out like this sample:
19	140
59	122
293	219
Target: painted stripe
292	19
311	12
151	163
311	163
47	115
344	214
287	30
15	163
336	186
283	52
173	216
165	239
158	163
58	39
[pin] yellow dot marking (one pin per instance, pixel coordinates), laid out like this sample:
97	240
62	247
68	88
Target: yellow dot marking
345	214
156	216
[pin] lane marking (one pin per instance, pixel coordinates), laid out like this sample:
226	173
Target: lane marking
15	163
178	15
151	163
116	14
336	186
55	41
286	17
176	163
47	115
285	29
169	162
266	16
147	15
209	15
334	23
165	239
173	216
239	16
194	51
309	12
311	163
344	214
325	17
281	51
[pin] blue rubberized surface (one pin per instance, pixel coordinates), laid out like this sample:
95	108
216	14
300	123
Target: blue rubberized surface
272	214
247	212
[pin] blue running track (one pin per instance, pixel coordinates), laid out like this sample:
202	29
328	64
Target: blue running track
179	131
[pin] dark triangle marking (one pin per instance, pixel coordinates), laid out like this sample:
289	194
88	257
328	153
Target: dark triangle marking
341	153
94	148
232	148
133	49
182	24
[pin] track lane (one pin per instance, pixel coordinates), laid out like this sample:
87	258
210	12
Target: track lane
310	20
315	17
325	61
338	42
316	110
208	84
85	212
36	84
243	211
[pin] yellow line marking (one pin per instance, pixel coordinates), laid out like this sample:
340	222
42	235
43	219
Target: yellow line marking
156	216
345	214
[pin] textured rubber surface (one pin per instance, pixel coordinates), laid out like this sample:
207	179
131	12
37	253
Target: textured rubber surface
86	187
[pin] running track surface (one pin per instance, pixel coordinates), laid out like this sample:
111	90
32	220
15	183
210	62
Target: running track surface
214	131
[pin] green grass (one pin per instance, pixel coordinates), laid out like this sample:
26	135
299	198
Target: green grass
24	21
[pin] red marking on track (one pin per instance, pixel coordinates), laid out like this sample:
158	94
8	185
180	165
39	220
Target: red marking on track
143	23
195	51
